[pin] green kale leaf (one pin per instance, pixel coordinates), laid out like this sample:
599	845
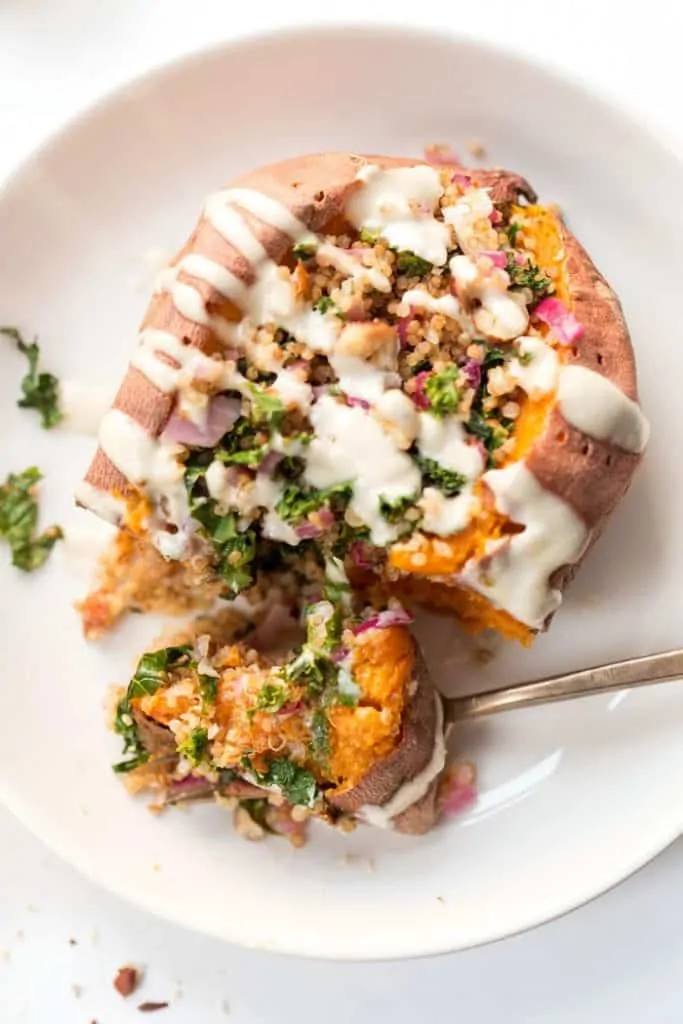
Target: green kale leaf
298	502
320	736
195	747
271	698
19	519
434	475
297	785
40	390
152	672
394	509
411	265
266	409
441	390
528	275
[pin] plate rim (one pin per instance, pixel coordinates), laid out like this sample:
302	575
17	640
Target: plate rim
27	814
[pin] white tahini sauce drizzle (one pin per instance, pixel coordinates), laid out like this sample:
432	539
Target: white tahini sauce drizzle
359	378
514	574
399	205
103	503
443	440
599	409
246	495
215	274
145	462
470	219
447	305
538	370
349	445
181	364
382	816
352	266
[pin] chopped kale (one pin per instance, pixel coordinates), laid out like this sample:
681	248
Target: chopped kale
266	409
346	536
19	519
491	432
325	304
208	688
244	445
40	390
271	697
298	502
320	736
528	275
297	785
394	509
195	747
334	628
442	392
235	549
289	468
311	668
303	250
124	726
152	672
434	475
411	265
256	809
512	230
154	667
493	357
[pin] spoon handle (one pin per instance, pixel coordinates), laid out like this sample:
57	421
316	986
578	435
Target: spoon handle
621	675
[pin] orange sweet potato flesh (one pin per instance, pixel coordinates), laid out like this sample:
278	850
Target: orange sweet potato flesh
445	557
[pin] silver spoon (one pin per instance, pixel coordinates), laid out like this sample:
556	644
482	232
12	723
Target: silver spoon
620	675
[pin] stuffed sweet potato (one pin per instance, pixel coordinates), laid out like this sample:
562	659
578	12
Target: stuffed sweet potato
346	726
415	368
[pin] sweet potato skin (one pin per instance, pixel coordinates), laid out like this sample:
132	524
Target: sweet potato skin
412	753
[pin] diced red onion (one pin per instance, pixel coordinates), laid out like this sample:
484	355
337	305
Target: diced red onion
292	707
459	799
472	371
495	216
339	654
520	259
384	620
221	415
496	256
192	787
402	327
307	531
358	552
325	517
463	180
460	790
270	461
561	320
359	402
242	789
419	395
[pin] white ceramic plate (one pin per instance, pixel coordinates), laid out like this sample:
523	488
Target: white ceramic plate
574	797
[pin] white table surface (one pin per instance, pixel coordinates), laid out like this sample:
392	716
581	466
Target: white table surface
62	938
